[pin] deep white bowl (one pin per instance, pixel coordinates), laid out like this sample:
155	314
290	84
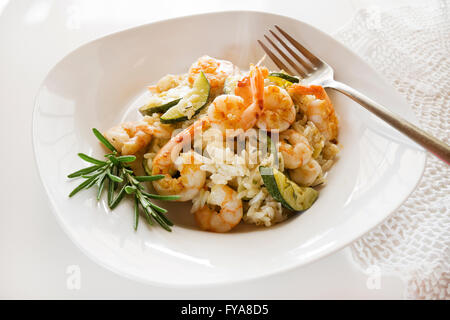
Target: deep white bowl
99	85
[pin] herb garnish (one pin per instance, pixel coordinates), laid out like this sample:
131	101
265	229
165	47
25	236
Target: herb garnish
116	174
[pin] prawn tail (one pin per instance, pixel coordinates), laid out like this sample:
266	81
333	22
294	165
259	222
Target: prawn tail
257	84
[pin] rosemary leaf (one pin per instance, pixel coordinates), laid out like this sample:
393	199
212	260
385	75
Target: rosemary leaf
92	182
161	197
145	205
103	140
136	212
126	158
148	217
88	176
101	184
111	187
157	208
115	171
118	198
114	178
149	178
81	186
87	158
165	218
130	189
113	159
144	202
161	222
83	171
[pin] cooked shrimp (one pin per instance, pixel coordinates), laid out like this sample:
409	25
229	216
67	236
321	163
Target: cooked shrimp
295	149
320	111
225	111
229	215
306	174
131	137
278	111
237	112
191	178
215	70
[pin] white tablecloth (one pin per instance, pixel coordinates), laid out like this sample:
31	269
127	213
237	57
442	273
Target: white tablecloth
411	48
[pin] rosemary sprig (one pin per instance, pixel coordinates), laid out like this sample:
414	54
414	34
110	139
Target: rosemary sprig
114	174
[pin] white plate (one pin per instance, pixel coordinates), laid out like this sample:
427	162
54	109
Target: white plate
99	84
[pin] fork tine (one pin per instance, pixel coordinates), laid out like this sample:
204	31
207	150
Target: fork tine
274	58
285	57
312	58
305	65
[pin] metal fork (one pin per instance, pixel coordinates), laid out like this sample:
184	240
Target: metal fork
316	71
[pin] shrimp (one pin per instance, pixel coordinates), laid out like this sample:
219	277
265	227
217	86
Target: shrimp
320	110
239	112
296	151
131	137
226	110
215	70
278	111
229	215
191	178
306	174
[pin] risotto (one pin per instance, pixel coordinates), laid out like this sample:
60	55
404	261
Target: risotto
247	146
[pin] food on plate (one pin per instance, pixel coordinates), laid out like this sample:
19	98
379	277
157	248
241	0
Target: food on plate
247	146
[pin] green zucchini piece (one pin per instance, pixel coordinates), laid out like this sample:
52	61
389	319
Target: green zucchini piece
151	108
271	149
284	76
287	192
146	168
191	104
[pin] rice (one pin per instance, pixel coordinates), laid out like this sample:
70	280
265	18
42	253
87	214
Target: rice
264	210
315	139
324	152
330	151
224	166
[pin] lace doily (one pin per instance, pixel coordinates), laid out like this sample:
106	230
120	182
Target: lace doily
411	48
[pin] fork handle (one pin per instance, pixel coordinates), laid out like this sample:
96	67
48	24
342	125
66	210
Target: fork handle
430	143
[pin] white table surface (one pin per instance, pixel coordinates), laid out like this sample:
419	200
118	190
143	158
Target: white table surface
34	251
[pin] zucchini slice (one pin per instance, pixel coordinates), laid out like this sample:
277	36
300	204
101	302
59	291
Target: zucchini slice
151	108
147	170
285	191
271	149
284	76
191	104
